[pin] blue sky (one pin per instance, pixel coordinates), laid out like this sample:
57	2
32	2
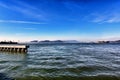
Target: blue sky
83	20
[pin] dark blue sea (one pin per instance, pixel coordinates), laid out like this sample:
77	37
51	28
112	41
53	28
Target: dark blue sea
62	62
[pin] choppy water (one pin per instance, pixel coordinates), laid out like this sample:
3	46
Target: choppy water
63	62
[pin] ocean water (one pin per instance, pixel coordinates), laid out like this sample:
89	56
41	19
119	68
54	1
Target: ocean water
62	62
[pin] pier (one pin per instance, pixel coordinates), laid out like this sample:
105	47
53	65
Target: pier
14	48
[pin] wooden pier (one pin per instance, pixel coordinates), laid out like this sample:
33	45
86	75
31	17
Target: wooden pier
14	48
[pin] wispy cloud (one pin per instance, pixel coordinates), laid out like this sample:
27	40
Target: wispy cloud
20	22
107	18
106	14
29	28
3	5
25	9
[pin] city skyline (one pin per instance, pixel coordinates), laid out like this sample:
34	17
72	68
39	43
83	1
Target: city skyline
82	20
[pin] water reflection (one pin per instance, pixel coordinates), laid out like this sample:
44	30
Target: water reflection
12	63
9	56
4	77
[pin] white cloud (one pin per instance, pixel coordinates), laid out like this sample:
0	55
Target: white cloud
20	22
22	37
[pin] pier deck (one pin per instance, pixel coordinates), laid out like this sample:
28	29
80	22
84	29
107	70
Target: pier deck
13	47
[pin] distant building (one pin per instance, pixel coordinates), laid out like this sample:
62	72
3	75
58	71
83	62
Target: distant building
8	42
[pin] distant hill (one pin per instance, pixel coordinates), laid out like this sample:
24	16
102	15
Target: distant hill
55	41
71	41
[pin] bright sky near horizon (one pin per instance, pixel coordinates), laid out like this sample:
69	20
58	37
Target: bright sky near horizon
83	20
